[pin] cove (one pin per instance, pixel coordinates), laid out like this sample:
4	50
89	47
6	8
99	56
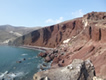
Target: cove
23	70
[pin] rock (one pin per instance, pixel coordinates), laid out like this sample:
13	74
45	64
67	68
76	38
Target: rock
86	34
55	51
43	54
41	67
52	56
43	78
55	61
48	59
44	64
24	59
51	36
95	16
18	61
78	70
97	78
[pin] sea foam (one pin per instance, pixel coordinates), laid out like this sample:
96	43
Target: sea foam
10	76
24	54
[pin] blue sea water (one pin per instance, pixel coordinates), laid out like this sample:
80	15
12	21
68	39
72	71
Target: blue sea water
10	68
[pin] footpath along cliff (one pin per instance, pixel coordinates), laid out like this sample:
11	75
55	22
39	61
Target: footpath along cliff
81	38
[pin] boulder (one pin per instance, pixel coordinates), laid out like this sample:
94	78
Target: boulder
18	61
52	56
42	54
97	78
48	59
24	59
78	70
55	51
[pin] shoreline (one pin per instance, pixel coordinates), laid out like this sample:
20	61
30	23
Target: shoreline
44	65
36	47
32	59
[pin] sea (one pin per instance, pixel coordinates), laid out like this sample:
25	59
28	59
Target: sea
19	63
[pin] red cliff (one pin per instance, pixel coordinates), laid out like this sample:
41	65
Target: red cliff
80	38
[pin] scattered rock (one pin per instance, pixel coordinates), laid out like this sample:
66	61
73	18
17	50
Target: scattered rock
24	59
41	67
52	56
78	70
55	51
48	59
18	61
44	64
43	54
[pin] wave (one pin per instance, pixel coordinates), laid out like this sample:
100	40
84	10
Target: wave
10	76
24	54
43	66
3	74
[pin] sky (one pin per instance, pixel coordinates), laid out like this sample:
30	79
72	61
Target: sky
31	13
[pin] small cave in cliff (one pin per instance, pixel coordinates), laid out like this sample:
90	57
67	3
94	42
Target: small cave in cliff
90	32
73	25
99	34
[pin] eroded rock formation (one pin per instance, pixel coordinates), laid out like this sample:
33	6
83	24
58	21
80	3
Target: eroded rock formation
80	38
51	36
78	70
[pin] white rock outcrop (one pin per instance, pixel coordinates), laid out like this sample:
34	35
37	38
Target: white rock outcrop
66	41
78	70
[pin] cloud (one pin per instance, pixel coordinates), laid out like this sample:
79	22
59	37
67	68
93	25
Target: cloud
59	20
54	21
78	13
50	21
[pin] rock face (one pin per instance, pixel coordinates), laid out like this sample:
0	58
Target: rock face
80	38
89	44
51	36
90	26
78	70
10	33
